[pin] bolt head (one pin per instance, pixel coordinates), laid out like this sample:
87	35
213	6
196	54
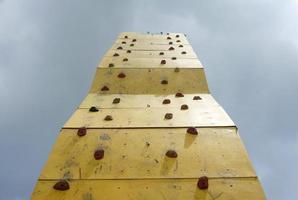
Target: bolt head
192	131
164	82
121	75
163	62
61	185
166	101
171	154
184	107
105	88
99	154
197	98
168	116
116	101
93	109
179	94
203	183
82	131
108	118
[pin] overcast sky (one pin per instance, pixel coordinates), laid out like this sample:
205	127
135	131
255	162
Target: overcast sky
49	51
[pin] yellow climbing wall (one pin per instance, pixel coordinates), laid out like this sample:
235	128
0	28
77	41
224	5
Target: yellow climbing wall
149	129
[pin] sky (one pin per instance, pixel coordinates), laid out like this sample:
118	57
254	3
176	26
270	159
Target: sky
49	51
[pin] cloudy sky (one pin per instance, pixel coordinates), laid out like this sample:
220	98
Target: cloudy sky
49	51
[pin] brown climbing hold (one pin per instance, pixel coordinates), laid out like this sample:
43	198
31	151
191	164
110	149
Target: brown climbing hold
93	109
180	45
82	131
168	116
168	38
99	154
134	40
121	75
126	37
183	52
171	48
196	98
105	88
108	118
164	82
184	107
177	36
116	101
203	183
116	54
163	62
131	45
170	42
128	51
177	69
161	53
119	48
192	131
123	42
111	65
125	59
171	154
166	101
179	94
61	185
174	58
178	41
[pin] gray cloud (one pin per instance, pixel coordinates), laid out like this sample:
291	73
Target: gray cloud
49	51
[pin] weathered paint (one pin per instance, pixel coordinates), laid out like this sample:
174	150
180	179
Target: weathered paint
157	189
149	129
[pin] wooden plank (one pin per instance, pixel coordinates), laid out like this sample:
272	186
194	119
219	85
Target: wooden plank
134	35
152	47
119	62
151	117
148	81
140	154
178	189
147	41
103	101
151	54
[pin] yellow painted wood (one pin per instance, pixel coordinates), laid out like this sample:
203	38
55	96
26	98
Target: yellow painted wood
134	35
151	54
153	47
149	41
151	117
140	154
170	189
149	63
103	101
148	81
135	141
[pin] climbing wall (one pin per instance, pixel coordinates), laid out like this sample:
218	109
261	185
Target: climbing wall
149	129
